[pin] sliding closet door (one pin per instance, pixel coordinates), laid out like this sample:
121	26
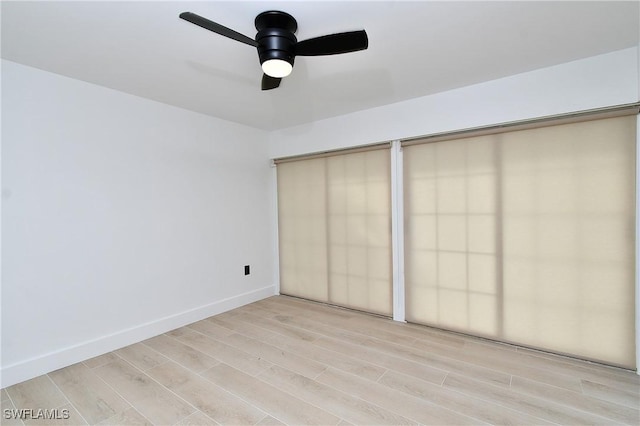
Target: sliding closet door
335	232
527	236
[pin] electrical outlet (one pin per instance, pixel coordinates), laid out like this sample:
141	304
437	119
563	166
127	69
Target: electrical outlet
246	270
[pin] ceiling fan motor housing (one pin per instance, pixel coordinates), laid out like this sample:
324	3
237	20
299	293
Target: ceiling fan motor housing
276	38
275	43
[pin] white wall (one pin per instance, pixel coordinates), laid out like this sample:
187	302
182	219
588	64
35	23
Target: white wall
603	80
122	218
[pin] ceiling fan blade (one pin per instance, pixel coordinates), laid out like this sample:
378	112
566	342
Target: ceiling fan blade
217	28
269	82
333	44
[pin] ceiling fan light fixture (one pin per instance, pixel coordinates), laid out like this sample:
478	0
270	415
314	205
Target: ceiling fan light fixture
278	46
277	68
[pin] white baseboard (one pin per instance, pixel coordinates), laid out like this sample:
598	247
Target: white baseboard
33	367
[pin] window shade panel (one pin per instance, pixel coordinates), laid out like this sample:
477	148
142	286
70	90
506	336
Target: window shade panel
450	238
337	210
568	203
302	226
360	234
527	236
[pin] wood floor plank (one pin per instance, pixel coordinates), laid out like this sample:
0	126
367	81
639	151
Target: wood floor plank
65	415
178	332
611	394
10	417
197	419
407	353
141	356
270	325
223	352
416	409
343	405
261	309
250	326
425	372
183	354
207	397
37	393
319	326
101	360
281	405
465	404
350	345
353	322
278	356
130	417
608	410
90	395
488	347
152	400
501	361
554	370
210	329
286	302
527	404
421	332
613	377
443	361
578	365
270	421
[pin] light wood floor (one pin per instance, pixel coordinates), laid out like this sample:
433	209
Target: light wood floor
284	360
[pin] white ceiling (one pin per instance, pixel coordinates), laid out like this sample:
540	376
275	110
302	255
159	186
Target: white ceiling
415	49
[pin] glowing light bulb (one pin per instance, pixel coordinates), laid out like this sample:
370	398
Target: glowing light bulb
276	68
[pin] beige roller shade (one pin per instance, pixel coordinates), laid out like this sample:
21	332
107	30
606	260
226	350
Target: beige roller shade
527	236
334	224
302	227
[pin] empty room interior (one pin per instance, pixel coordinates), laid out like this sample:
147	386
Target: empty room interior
319	212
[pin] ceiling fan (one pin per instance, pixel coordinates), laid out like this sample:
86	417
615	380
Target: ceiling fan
278	46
